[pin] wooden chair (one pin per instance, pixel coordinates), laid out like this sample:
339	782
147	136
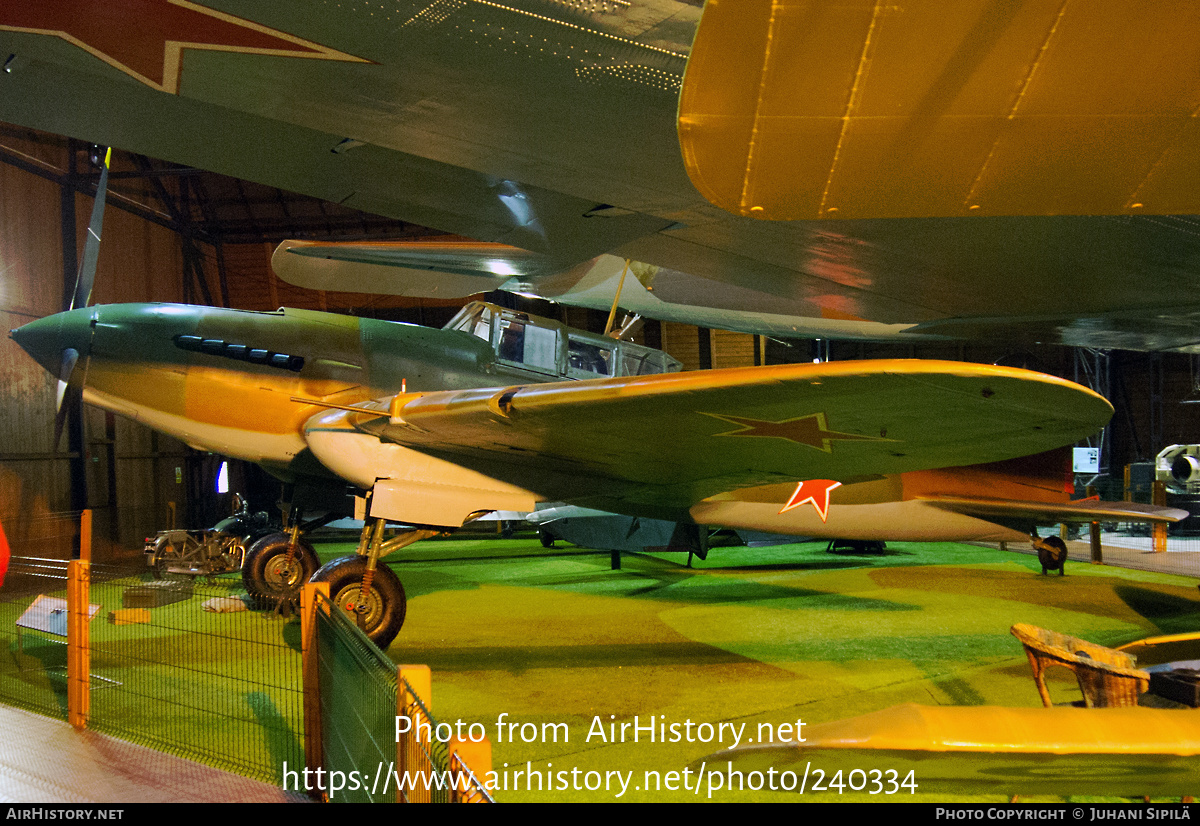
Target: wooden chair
1106	677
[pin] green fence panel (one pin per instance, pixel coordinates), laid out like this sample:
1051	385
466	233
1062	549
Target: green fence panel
358	712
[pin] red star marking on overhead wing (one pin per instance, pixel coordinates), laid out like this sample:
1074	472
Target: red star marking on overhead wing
805	430
815	491
145	38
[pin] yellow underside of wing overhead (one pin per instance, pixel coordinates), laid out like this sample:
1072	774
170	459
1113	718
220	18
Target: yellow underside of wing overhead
802	109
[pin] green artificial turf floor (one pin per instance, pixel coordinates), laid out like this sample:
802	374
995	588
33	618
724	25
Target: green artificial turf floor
550	653
771	635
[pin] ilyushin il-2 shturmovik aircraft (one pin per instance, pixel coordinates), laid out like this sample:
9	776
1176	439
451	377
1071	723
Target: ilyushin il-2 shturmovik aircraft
501	410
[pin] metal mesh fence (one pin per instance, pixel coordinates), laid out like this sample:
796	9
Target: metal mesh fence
33	672
394	749
222	688
1129	547
181	672
358	708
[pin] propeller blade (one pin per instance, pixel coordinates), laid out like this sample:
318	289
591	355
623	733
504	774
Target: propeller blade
69	357
91	248
70	393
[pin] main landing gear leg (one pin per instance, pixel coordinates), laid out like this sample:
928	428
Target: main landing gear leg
369	592
278	565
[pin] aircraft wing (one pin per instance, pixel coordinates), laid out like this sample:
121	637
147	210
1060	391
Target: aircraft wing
1033	164
1079	510
457	269
668	441
942	109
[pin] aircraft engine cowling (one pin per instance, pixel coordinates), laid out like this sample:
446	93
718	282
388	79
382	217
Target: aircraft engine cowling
1178	467
1185	469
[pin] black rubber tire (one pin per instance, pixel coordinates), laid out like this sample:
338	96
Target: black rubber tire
546	538
265	574
384	613
1052	554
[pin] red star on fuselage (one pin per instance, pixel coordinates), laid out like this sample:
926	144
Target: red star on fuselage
815	491
145	38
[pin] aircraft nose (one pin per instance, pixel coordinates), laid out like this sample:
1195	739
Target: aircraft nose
47	338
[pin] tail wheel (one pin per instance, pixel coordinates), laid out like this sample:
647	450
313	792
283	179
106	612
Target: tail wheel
267	573
1052	553
380	610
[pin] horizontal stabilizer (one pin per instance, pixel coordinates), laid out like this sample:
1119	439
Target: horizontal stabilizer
1079	510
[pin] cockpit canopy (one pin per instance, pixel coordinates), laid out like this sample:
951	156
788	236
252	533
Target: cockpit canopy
554	349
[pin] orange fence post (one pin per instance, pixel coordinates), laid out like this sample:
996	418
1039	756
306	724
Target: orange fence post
310	603
473	755
412	744
1160	529
78	661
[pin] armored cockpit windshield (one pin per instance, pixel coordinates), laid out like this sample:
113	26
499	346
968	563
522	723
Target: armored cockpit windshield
555	350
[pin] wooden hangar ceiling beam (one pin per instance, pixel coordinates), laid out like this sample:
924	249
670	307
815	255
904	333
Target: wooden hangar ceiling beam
180	209
267	214
83	181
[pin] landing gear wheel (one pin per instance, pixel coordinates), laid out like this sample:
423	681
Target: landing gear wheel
1052	553
268	577
381	612
861	547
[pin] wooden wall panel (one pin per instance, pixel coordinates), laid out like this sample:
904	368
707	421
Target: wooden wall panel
139	261
682	342
732	349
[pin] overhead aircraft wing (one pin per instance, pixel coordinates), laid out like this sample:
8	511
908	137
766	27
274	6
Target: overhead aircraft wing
556	127
444	269
942	109
462	268
671	440
458	268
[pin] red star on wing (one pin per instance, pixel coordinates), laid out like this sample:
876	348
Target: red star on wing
805	430
815	491
145	38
